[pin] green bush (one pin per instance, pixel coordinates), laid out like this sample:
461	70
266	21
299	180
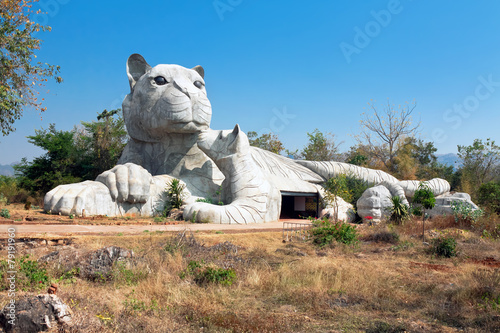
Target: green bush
204	200
123	275
445	247
203	274
348	187
424	197
464	213
489	196
416	210
30	274
5	213
174	194
325	232
400	212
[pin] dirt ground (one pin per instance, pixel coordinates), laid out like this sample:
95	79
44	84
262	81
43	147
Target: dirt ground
36	221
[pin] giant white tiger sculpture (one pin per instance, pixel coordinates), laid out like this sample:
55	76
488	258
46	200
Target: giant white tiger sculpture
165	112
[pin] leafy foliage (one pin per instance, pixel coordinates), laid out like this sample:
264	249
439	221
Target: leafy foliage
464	213
5	213
399	211
325	232
445	247
30	274
347	186
175	194
480	164
102	141
72	156
321	147
267	141
489	196
20	75
61	164
424	197
204	274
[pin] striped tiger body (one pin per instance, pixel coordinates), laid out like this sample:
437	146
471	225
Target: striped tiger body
252	198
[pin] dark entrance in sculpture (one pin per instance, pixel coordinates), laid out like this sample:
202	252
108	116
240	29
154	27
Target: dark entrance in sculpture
296	205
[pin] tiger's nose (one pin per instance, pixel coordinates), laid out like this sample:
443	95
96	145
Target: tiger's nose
181	87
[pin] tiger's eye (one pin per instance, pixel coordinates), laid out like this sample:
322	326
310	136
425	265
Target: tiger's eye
160	80
198	84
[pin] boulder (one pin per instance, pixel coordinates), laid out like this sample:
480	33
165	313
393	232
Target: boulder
36	314
341	211
95	265
443	203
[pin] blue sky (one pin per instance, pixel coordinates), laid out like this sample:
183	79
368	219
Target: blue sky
286	66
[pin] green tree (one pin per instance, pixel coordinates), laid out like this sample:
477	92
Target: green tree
425	198
267	141
384	131
61	164
102	142
20	76
480	164
321	147
73	156
489	196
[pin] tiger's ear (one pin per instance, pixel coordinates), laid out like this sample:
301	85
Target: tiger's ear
199	70
240	143
136	67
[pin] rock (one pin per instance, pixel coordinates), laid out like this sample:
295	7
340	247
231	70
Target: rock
99	264
341	211
36	314
375	202
94	265
176	214
443	203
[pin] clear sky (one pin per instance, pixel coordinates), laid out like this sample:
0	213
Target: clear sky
287	66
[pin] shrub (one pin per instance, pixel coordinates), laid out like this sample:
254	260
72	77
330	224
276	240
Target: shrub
489	196
174	193
416	210
348	187
204	200
445	247
464	213
30	274
203	274
5	213
121	274
424	197
324	232
384	236
399	210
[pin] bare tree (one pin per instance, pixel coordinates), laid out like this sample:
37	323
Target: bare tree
382	131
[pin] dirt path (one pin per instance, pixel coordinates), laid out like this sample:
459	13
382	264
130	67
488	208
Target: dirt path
35	221
65	229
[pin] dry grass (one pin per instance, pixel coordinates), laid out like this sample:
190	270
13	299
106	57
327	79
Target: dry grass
374	287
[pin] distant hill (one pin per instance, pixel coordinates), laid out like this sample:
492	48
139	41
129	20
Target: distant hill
449	159
7	170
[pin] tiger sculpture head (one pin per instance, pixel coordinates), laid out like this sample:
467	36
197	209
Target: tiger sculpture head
164	99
